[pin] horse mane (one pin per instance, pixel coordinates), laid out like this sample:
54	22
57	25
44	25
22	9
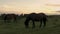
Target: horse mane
32	13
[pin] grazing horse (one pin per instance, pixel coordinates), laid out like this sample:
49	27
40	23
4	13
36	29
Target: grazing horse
8	17
36	17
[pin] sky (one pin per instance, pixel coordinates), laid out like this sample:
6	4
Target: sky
28	6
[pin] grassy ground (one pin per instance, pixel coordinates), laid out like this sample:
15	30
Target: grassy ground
52	27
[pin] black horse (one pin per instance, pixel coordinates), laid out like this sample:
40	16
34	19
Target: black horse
9	17
36	17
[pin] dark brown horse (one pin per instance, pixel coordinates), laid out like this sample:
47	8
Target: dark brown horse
36	17
8	17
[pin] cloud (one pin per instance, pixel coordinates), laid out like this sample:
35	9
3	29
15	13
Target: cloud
29	6
54	5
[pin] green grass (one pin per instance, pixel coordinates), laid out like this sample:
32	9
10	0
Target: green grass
52	27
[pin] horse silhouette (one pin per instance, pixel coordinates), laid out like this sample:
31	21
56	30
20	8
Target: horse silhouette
8	17
36	17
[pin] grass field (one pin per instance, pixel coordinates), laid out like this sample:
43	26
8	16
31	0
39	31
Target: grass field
52	27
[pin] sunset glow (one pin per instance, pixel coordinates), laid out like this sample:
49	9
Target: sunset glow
29	6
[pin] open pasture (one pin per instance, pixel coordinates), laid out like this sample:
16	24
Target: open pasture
52	27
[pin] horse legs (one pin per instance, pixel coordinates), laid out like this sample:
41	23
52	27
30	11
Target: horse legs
27	23
33	24
44	23
15	20
40	23
5	20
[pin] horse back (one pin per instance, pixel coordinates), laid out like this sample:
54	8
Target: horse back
37	17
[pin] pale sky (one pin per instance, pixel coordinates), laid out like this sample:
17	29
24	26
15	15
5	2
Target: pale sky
29	6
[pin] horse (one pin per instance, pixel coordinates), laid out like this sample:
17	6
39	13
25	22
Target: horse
9	17
36	17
